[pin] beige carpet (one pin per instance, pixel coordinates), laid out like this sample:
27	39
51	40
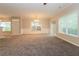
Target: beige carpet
36	45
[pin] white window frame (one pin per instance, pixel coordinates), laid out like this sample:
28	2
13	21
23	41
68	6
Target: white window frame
36	21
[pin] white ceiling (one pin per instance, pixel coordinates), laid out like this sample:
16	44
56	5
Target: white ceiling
31	9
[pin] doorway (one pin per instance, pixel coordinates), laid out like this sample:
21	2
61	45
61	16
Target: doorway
15	26
53	28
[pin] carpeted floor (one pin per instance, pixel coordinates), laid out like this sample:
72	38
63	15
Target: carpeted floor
36	45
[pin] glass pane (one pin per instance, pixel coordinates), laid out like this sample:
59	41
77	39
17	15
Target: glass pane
69	24
73	24
6	26
62	24
36	25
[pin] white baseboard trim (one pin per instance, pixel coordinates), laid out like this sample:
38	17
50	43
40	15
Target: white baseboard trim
67	40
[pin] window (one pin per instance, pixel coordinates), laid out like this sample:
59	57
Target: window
36	25
62	25
6	26
69	24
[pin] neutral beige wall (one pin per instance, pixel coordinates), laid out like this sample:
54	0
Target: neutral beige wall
27	29
25	26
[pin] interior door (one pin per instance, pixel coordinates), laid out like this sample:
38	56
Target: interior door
53	29
15	26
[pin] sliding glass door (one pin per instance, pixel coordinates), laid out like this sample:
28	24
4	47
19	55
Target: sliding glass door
68	24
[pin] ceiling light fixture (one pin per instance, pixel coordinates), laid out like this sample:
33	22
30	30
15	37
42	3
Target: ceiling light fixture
44	3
